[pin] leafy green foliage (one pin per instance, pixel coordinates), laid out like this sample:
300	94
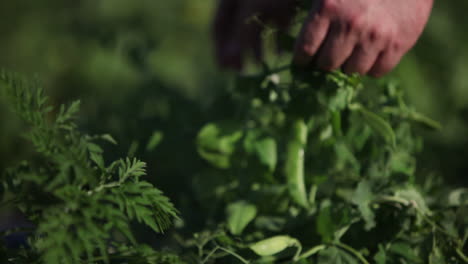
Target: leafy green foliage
324	164
78	205
216	144
345	160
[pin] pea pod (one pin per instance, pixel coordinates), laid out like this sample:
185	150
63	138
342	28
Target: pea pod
336	124
294	165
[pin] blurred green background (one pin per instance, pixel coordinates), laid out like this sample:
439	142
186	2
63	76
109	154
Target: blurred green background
147	66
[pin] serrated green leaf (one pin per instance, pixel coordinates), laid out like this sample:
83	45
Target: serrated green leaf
66	114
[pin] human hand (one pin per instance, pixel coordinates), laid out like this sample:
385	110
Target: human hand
359	36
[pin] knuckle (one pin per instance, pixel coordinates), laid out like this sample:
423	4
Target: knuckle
377	34
391	36
381	35
396	45
355	22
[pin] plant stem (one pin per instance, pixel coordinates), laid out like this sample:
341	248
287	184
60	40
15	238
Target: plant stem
462	255
299	250
391	199
234	255
353	251
227	251
210	254
312	251
438	228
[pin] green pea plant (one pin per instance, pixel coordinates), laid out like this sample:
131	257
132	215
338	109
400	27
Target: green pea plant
316	167
320	168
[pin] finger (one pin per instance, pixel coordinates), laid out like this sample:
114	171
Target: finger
386	61
361	60
311	37
336	48
223	27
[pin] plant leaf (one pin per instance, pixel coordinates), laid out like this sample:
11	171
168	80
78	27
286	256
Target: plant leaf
273	245
239	215
379	125
216	143
362	198
266	151
154	140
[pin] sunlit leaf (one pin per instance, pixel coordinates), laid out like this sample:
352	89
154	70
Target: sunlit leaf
273	245
239	215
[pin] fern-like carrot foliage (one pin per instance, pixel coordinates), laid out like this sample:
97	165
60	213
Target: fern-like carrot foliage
77	203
